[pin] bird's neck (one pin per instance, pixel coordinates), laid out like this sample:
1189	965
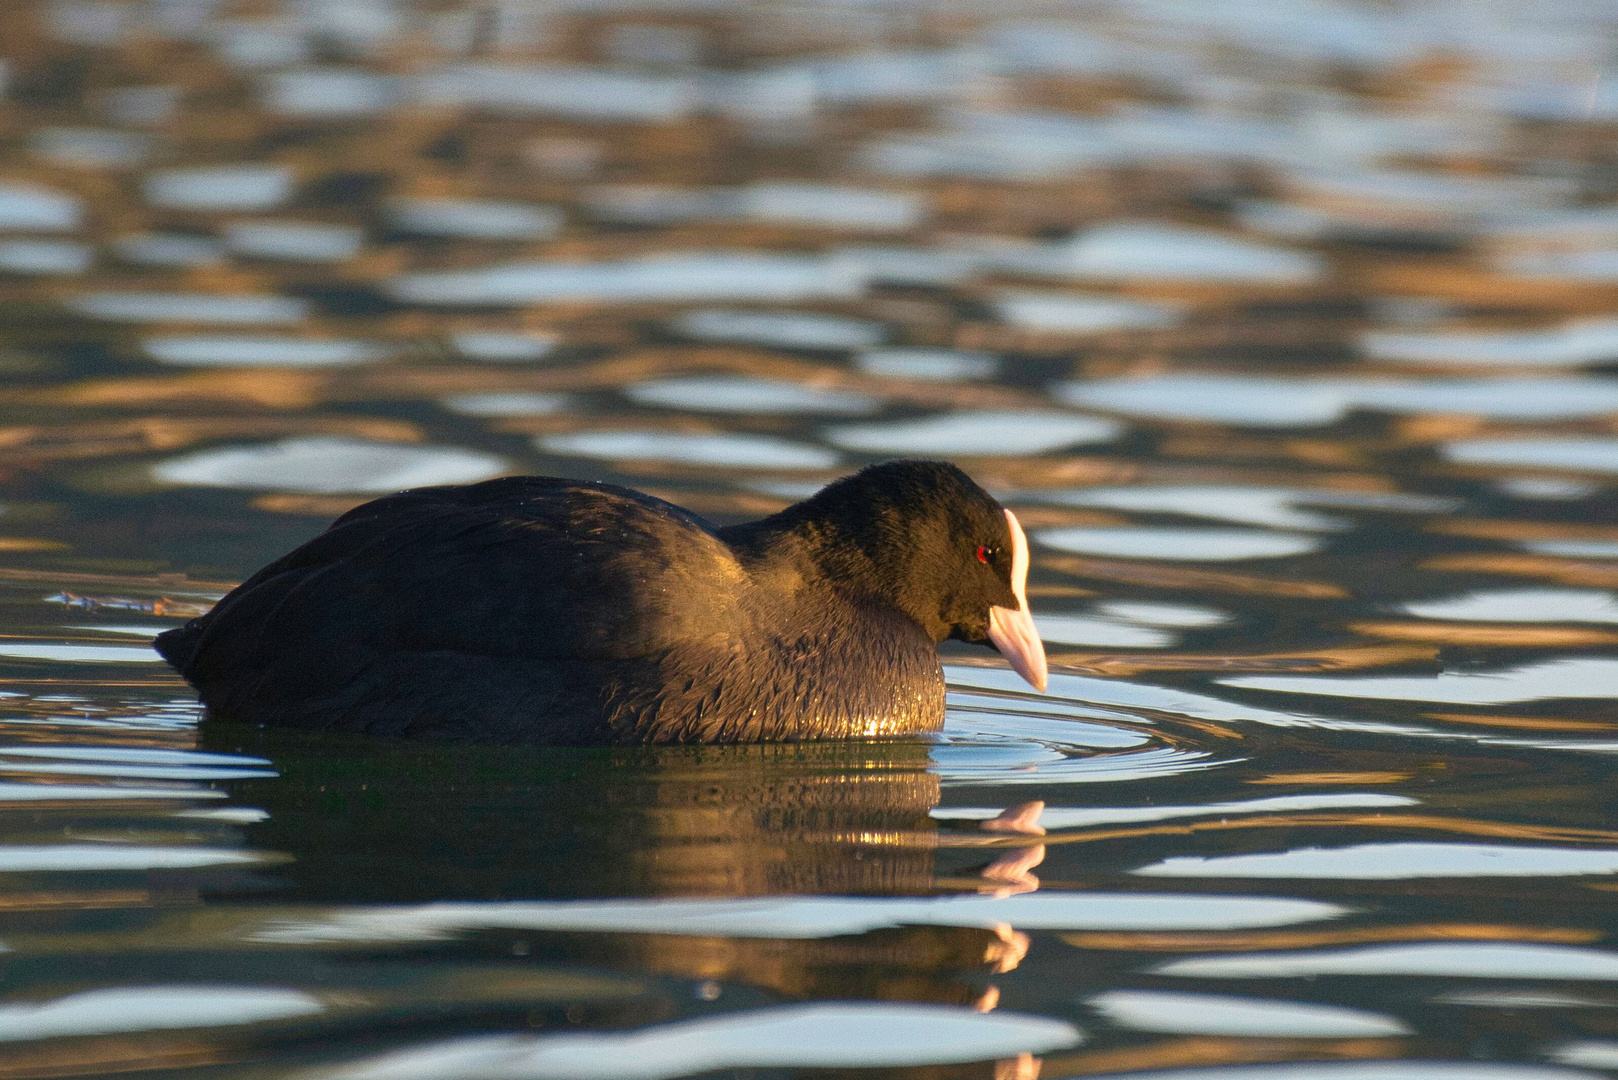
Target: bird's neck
784	544
793	548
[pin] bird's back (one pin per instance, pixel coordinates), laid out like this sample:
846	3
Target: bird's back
381	621
541	610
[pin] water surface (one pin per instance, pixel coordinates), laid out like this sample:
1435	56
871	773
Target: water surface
1289	332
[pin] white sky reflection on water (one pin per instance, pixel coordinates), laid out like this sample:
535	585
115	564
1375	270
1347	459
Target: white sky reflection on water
1544	398
997	433
1273	507
941	365
1462	959
49	858
31	208
1587	341
294	241
131	630
90	148
252	45
220	187
1521	605
1291	401
1554	488
219	308
236	815
1095	630
80	654
168	249
998	760
1393	862
1600	265
779	329
833	205
745	394
886	73
1566	677
1592	1052
45	257
131	762
1216	1014
656	204
1574	549
1157	251
800	917
1581	227
1191	545
1042	705
1370	1070
51	792
583	93
131	771
1073	817
502	346
1231	399
1597	455
907	266
1000	727
218	350
993	145
737	451
1125	625
146	755
1120	693
514	403
151	1008
666	278
474	219
1079	313
327	93
821	1035
1151	613
1526	999
328	465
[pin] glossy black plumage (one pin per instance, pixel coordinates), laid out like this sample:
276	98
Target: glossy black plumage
541	610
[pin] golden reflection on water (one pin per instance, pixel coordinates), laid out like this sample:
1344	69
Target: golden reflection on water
1173	1053
1451	633
1343	658
1303	939
1542	567
1458	826
1176	577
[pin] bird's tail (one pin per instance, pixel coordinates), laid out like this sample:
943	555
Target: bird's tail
179	646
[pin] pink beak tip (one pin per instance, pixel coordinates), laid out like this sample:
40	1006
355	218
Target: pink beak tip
1014	634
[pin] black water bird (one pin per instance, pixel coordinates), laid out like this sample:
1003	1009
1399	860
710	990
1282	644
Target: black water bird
551	611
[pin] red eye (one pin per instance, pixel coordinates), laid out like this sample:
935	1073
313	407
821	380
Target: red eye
985	553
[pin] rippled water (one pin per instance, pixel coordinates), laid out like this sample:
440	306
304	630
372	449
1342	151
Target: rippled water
1288	329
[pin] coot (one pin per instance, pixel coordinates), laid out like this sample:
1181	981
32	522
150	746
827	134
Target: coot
542	610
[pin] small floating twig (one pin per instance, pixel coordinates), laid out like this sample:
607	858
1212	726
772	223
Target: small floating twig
163	605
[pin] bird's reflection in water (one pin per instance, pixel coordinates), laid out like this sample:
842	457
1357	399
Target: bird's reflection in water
384	822
1012	871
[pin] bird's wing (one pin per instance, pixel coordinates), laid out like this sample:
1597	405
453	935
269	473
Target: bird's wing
528	569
